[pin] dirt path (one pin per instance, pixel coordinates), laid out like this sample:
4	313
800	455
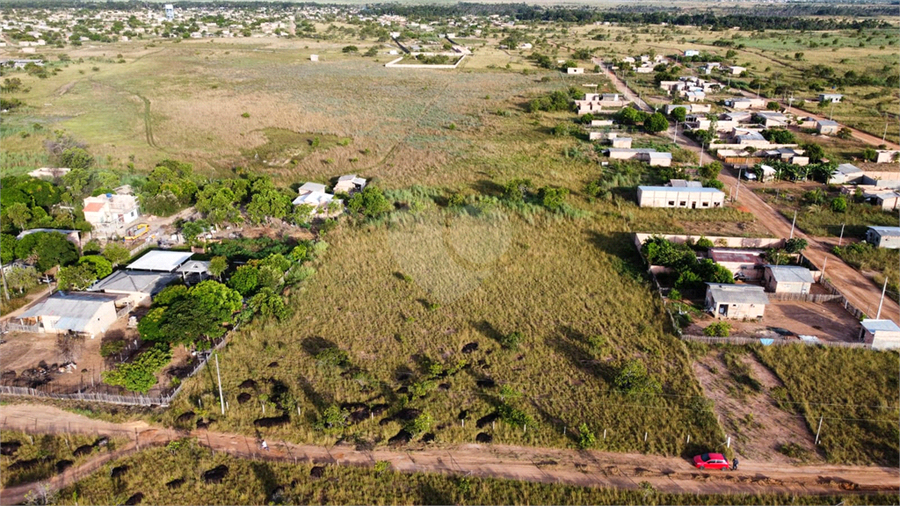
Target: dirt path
620	86
547	465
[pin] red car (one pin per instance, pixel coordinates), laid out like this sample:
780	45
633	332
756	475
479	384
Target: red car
711	461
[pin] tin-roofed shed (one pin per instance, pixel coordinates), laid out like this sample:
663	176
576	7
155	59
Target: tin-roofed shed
736	301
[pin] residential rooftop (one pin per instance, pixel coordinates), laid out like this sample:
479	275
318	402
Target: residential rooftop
159	260
790	273
738	294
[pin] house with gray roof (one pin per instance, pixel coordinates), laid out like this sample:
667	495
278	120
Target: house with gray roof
881	334
736	302
160	261
136	287
83	313
787	279
884	237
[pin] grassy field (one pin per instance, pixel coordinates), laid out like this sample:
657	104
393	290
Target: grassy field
258	482
39	457
400	298
853	391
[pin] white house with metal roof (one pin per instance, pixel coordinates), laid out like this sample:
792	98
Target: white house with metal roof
313	194
787	279
846	173
685	197
884	237
160	261
881	334
83	313
736	301
349	184
827	127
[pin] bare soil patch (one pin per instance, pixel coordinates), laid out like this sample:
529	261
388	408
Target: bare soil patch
757	426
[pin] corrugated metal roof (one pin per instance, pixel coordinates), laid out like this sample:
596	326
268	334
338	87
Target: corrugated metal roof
194	267
737	294
312	187
880	325
887	231
790	273
74	309
159	260
135	281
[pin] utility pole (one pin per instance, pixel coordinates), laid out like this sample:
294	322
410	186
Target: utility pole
3	276
822	276
821	417
792	224
881	303
841	238
219	376
884	135
737	191
675	134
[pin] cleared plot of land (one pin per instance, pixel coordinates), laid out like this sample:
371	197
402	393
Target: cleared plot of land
760	430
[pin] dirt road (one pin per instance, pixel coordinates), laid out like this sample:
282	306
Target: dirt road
620	86
547	465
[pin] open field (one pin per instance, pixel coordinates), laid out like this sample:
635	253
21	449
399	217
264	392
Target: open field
34	458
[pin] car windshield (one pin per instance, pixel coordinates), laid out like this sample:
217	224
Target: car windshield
704	457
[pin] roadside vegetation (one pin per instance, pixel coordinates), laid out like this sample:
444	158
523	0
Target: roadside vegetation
30	458
182	467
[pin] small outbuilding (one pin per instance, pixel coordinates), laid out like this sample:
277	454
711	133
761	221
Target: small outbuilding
575	70
82	313
846	173
736	301
827	127
881	334
349	184
787	279
884	237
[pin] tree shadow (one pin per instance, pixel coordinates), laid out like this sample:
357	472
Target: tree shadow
431	495
488	330
317	344
620	245
572	344
265	476
317	399
487	187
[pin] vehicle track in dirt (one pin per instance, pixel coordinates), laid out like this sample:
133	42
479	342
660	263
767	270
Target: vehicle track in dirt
545	465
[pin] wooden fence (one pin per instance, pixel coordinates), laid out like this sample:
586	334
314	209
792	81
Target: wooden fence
162	397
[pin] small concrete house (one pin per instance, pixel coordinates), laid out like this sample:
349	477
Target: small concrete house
744	103
846	173
830	97
887	200
83	313
349	184
736	70
736	302
110	209
621	142
747	264
768	173
827	127
881	334
691	198
787	279
313	194
574	70
884	237
313	57
691	52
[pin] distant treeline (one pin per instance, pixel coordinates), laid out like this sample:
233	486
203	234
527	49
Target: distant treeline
783	17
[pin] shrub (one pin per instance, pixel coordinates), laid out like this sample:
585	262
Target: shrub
511	341
656	123
839	205
245	115
718	329
140	375
586	438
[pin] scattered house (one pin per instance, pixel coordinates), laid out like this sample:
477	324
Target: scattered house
621	142
110	209
846	173
736	302
19	64
881	179
574	70
160	261
313	194
745	264
693	95
51	172
684	197
83	313
884	237
887	200
742	103
691	52
830	97
651	156
684	183
736	70
827	127
349	184
788	155
887	156
601	122
137	287
787	279
671	86
612	100
688	108
313	57
771	119
753	138
881	334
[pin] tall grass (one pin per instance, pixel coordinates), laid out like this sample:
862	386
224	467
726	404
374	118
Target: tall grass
853	390
258	482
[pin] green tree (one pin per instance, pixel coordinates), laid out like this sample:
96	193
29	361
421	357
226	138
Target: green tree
773	106
839	204
75	277
101	266
711	170
420	424
116	253
18	214
370	202
656	123
245	279
349	49
76	158
795	245
150	325
814	151
268	304
22	279
7	248
217	266
869	154
511	341
633	379
517	189
333	419
47	249
268	203
717	329
553	198
679	114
